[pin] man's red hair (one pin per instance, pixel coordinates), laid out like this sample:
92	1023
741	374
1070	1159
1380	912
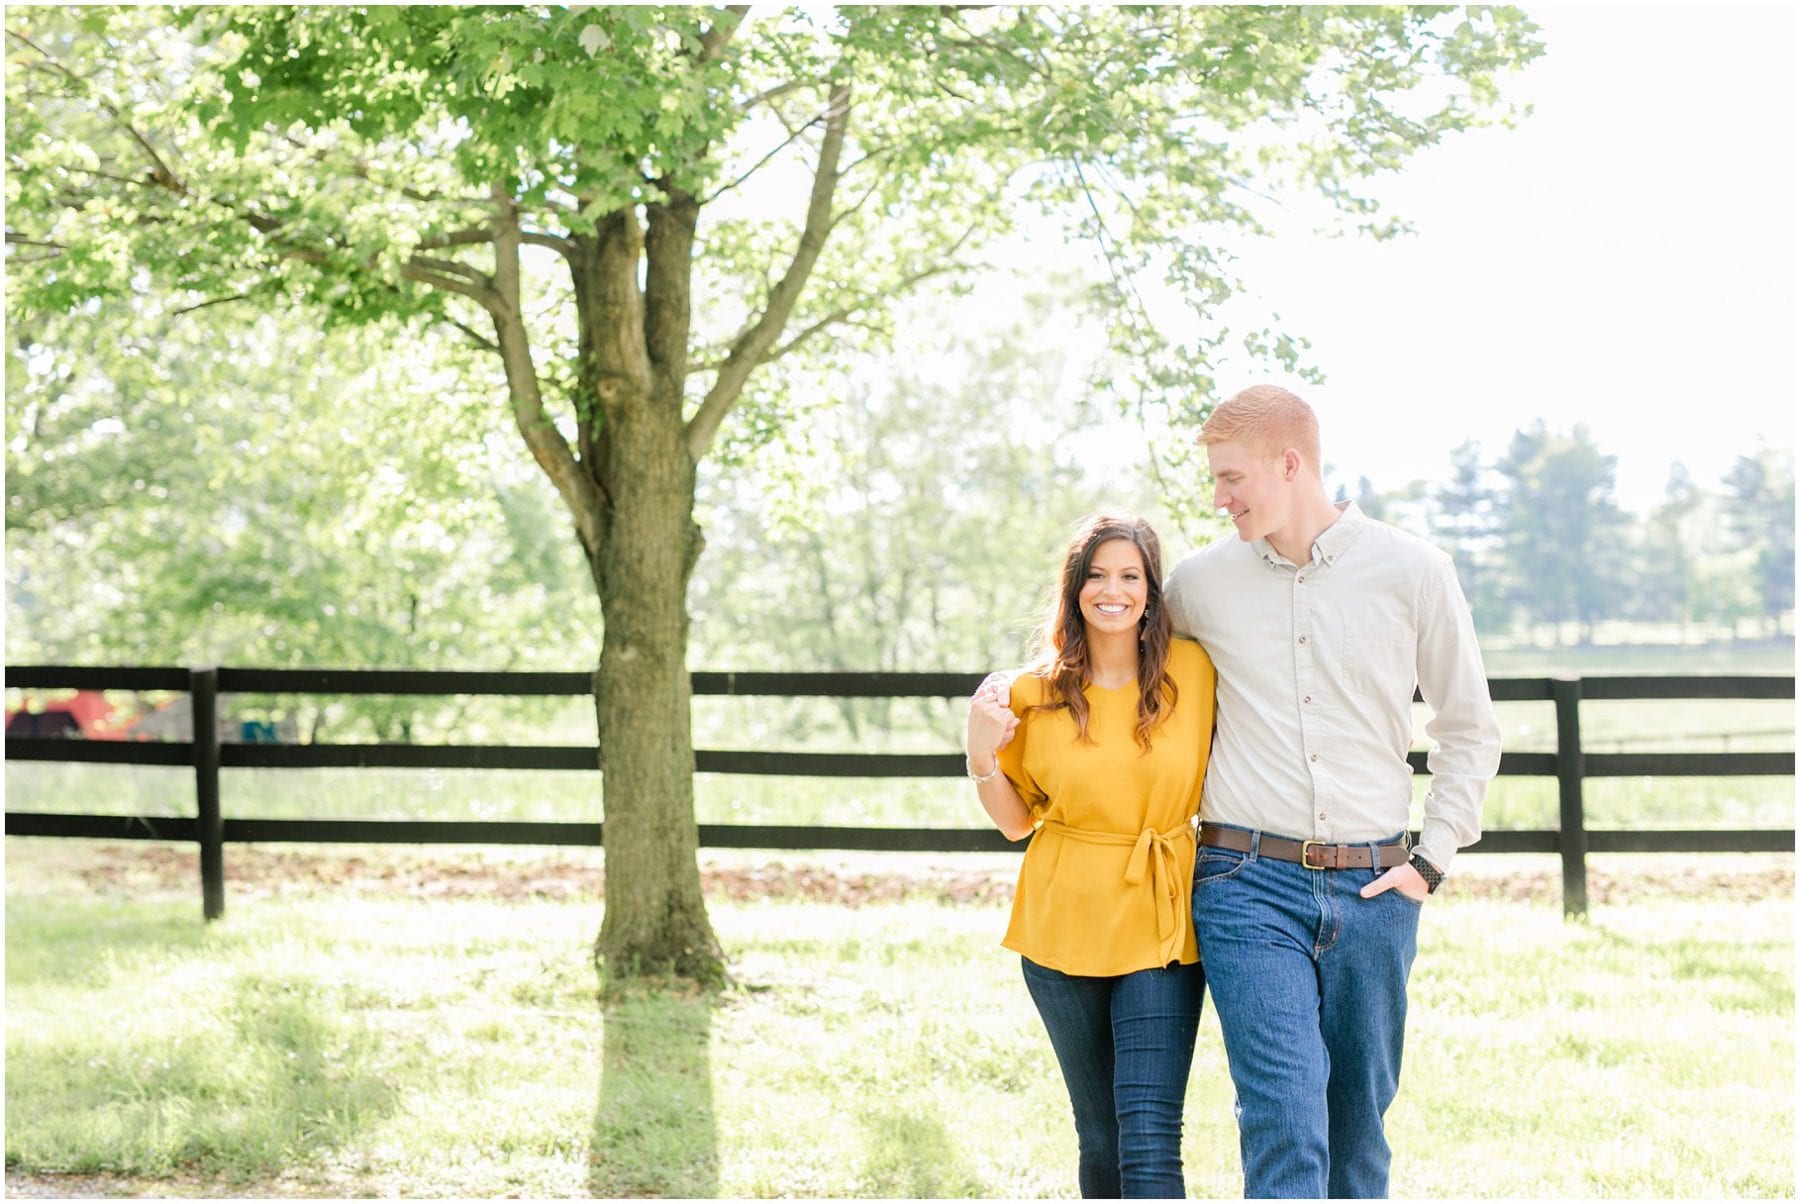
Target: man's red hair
1267	419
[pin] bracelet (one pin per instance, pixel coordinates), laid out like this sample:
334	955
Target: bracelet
985	778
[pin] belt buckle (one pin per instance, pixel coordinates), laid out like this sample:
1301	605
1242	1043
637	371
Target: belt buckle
1307	844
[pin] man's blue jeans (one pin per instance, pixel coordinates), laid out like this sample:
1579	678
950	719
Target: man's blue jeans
1309	980
1125	1045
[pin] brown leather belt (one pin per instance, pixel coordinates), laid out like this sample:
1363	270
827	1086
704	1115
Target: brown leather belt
1312	854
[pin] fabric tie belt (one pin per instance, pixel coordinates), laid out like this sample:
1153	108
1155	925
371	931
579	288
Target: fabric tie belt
1156	855
1313	854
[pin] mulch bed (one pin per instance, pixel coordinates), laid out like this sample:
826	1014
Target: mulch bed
254	871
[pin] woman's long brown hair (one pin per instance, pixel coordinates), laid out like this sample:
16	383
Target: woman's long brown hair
1061	654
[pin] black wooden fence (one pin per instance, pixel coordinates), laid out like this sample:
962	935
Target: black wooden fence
1570	764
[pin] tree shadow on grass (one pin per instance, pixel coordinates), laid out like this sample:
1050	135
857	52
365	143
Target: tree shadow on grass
322	1083
58	941
292	1078
654	1129
910	1155
1735	977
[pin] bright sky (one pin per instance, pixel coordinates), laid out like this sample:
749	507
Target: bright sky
1623	258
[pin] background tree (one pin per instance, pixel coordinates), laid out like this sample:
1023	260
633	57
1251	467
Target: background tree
178	494
537	177
1368	499
1760	516
1466	521
916	519
1669	574
1564	532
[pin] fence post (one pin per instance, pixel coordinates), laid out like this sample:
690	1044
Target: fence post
1571	766
203	689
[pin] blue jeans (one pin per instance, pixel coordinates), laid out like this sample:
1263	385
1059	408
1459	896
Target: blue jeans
1309	980
1125	1045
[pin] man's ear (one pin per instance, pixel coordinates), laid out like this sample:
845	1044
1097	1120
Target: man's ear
1290	465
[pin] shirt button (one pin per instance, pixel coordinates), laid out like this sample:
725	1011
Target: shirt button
1314	757
1303	639
1308	698
1299	581
1321	815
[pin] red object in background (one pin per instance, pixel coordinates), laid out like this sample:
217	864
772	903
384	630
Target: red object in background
87	716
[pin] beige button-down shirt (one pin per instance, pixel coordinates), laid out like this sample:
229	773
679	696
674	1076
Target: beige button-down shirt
1316	668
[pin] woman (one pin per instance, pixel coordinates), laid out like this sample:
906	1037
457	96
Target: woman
1101	753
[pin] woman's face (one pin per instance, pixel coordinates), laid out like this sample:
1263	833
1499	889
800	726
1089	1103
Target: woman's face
1114	594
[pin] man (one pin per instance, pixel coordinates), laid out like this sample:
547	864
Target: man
1306	898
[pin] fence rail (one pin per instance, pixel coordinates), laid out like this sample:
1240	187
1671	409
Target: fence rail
209	827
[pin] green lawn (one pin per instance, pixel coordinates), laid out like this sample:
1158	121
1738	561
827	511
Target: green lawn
1624	653
318	1043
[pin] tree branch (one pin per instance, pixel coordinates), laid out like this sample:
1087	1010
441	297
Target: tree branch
1109	247
555	242
128	181
750	346
769	94
160	174
452	267
668	289
763	162
474	336
360	168
714	40
188	309
447	274
419	273
944	266
471	236
579	490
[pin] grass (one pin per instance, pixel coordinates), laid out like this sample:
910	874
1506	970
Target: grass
1639	650
405	1046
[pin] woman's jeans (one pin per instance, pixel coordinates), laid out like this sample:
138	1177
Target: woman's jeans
1125	1044
1309	981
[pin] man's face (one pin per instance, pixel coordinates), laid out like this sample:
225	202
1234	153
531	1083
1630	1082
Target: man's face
1250	487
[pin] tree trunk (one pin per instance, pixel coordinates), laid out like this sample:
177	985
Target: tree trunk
655	920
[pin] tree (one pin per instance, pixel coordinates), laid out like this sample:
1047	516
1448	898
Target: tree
1370	502
1760	516
1669	577
1466	520
1564	532
179	493
538	177
921	518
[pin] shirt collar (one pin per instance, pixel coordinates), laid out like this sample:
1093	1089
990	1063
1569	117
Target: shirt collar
1332	542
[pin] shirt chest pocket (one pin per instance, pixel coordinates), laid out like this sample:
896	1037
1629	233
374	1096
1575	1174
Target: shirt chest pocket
1378	661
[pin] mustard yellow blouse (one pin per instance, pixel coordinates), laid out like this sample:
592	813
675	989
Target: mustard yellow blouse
1104	888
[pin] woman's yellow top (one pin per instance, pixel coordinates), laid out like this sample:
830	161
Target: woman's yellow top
1105	884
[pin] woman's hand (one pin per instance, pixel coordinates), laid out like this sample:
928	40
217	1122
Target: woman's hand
991	726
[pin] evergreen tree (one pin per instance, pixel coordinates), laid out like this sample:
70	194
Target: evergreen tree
1563	531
